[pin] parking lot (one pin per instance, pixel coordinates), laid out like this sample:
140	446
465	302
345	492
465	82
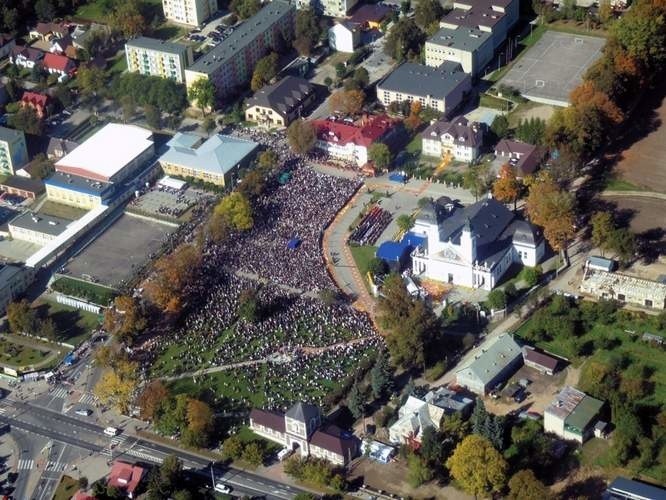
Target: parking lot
125	246
166	203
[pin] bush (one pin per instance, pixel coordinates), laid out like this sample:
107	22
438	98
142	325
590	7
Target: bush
530	275
496	299
435	371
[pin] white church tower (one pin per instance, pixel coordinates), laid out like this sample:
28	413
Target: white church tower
468	242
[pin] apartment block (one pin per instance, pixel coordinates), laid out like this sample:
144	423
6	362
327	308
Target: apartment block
189	12
153	57
496	17
469	47
333	8
13	150
230	64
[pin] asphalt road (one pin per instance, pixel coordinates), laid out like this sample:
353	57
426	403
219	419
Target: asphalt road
68	432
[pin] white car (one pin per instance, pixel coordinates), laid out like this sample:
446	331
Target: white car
222	488
84	412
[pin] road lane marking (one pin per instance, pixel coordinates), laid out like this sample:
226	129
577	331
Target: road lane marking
25	464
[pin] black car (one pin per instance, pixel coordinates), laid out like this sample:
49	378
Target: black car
520	396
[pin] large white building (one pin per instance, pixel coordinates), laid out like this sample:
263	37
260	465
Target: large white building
189	12
473	246
101	167
459	139
572	415
498	360
150	56
344	37
471	48
496	17
333	8
300	429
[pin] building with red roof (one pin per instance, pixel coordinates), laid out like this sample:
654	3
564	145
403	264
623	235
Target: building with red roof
60	65
35	101
126	477
349	141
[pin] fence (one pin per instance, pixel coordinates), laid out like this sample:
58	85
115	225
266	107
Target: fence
78	303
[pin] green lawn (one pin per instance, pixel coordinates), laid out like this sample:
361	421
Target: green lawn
73	325
17	355
118	64
490	101
362	256
66	489
92	292
615	184
414	147
168	31
92	11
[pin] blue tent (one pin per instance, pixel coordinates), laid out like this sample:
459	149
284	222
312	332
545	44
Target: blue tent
293	244
395	254
396	177
70	359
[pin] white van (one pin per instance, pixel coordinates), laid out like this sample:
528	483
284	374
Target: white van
220	487
111	431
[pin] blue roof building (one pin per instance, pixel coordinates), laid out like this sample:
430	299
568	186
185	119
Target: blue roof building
215	160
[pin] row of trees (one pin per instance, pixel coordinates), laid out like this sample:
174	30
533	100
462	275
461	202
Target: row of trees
119	381
164	94
24	319
125	319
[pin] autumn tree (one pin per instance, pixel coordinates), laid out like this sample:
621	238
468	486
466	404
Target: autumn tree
507	187
117	385
151	399
307	31
202	92
172	272
603	227
266	160
125	319
348	102
264	71
477	178
126	17
478	467
235	210
199	423
413	121
524	485
301	136
21	317
380	154
90	79
427	14
552	208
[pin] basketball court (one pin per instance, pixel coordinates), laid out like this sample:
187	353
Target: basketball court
553	67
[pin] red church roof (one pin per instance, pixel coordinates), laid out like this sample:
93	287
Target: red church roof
364	133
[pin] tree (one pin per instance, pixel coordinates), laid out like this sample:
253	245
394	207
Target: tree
642	35
524	485
404	222
199	422
432	449
623	243
500	126
232	448
307	31
151	399
235	210
91	79
427	13
477	179
245	8
404	40
253	454
418	471
264	71
117	385
478	467
125	319
21	317
45	10
128	106
153	116
380	154
507	187
202	92
26	119
532	131
497	299
301	136
553	209
603	229
47	329
208	125
455	427
63	95
362	77
380	376
376	267
413	121
268	159
126	17
348	102
355	401
405	7
83	483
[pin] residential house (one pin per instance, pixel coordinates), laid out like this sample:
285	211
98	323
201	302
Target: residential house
26	57
623	288
473	246
47	31
457	139
277	105
38	102
21	186
332	8
418	414
64	46
524	158
189	12
215	160
150	56
13	150
349	141
371	16
344	36
471	48
301	429
498	360
572	415
539	361
57	148
7	43
229	65
442	88
126	477
59	65
496	17
629	489
82	33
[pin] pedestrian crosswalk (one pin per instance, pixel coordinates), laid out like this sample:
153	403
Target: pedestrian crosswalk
59	392
117	440
3	410
56	466
25	464
144	456
87	399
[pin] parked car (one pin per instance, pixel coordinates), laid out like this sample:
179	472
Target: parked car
84	412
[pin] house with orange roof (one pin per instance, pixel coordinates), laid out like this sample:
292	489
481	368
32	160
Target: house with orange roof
59	65
36	101
126	477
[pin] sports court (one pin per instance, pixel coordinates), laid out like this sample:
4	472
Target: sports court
553	67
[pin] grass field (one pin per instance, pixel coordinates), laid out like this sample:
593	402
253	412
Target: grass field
66	489
490	101
17	355
73	325
362	256
59	210
85	290
615	184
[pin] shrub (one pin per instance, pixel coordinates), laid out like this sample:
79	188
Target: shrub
435	371
530	275
496	299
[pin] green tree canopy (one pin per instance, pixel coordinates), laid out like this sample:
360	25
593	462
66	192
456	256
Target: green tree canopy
524	485
478	467
236	211
301	136
202	92
381	155
404	40
264	71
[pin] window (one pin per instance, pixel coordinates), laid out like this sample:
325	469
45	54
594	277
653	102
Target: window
621	297
648	303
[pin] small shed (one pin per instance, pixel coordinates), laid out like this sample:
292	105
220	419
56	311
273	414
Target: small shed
601	264
379	452
601	429
171	183
539	361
